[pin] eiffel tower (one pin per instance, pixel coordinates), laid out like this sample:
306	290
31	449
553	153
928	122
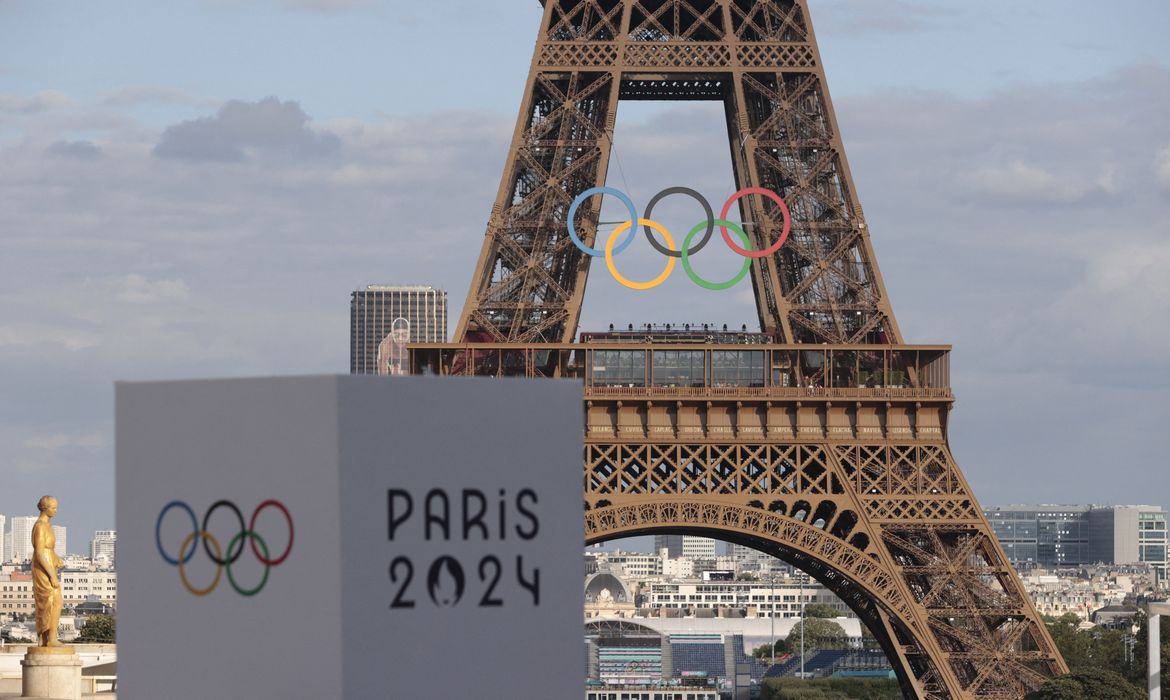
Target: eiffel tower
821	439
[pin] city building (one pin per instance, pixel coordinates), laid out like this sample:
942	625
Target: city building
781	599
88	584
607	595
694	653
60	533
755	561
17	545
103	546
681	567
1084	590
16	595
383	319
3	541
1071	535
685	546
78	585
1129	535
632	565
633	692
1042	535
22	527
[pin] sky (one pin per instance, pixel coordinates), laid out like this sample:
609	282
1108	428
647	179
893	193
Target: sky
193	188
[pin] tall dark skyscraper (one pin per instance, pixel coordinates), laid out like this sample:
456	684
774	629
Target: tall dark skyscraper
383	319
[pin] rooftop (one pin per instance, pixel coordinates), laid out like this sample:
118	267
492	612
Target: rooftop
399	288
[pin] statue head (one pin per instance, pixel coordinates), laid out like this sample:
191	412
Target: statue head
47	505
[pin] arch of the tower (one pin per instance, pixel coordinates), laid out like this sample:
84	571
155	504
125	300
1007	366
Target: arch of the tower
800	538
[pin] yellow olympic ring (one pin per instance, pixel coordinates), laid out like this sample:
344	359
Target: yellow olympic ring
218	555
613	268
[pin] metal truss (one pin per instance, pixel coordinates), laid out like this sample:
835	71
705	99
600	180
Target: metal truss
890	527
761	60
849	479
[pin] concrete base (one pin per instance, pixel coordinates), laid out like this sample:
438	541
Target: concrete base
51	672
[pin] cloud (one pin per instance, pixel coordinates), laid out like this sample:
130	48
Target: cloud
1162	168
327	6
78	150
891	17
40	102
136	289
240	129
133	95
90	441
34	335
1114	304
1021	182
200	263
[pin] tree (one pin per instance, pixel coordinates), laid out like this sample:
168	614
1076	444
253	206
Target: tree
821	610
764	651
818	634
1075	646
1141	652
830	689
1096	683
99	629
1096	649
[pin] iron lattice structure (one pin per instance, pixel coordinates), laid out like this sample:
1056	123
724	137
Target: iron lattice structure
834	454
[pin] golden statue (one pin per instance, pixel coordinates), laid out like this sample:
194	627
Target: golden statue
46	584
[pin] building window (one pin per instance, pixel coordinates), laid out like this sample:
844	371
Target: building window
619	368
737	368
675	368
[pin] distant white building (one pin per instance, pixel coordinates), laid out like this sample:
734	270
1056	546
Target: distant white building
754	560
59	532
103	546
631	565
685	546
80	585
19	540
782	599
678	568
22	538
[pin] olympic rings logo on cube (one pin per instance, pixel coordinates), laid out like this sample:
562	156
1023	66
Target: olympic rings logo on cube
222	563
685	251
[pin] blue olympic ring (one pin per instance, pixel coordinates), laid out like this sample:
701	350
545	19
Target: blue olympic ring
158	532
581	198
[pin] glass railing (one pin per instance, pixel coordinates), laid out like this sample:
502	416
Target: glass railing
714	370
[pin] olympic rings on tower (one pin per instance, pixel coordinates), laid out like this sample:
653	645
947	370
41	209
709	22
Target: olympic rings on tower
612	247
211	546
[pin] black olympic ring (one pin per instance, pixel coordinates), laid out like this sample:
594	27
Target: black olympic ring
706	209
231	558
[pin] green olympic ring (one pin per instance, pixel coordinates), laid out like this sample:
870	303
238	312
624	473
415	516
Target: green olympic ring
231	579
686	262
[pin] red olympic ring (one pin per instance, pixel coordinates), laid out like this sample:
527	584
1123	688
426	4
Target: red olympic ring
783	209
252	526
